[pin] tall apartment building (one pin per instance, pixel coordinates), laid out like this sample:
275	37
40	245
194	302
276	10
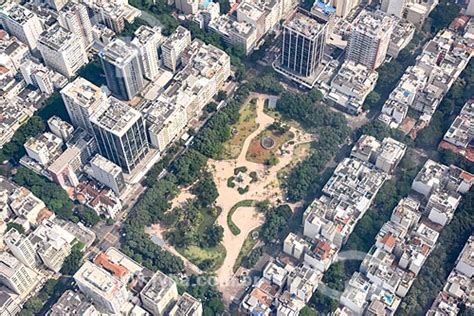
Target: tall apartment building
22	23
82	98
174	46
187	6
107	173
344	7
304	37
236	33
103	288
470	8
120	133
75	18
370	38
21	247
147	40
393	7
53	244
122	69
56	4
62	50
16	276
159	294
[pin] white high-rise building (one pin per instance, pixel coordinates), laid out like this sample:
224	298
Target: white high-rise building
75	18
470	8
344	7
16	276
82	98
393	7
147	40
21	247
107	173
174	46
22	23
159	293
105	289
62	50
370	38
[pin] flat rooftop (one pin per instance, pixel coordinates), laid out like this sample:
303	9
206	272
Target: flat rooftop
118	52
145	33
83	92
17	13
56	37
304	23
116	116
374	23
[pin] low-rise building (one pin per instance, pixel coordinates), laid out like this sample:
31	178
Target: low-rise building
321	255
459	136
351	86
295	246
424	85
260	298
459	286
275	273
44	148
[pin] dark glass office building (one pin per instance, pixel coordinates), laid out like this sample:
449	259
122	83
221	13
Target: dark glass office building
122	69
120	133
304	37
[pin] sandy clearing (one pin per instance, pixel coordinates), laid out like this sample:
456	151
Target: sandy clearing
267	187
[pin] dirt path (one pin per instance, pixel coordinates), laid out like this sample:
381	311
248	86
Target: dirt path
267	187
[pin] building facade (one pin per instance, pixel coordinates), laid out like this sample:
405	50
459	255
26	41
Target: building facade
82	98
147	41
370	38
122	69
22	23
75	18
120	133
62	50
107	173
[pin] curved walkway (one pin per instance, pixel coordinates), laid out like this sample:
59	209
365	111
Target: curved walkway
267	187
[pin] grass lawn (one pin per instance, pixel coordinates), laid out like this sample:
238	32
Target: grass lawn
242	129
248	245
245	203
256	153
208	259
